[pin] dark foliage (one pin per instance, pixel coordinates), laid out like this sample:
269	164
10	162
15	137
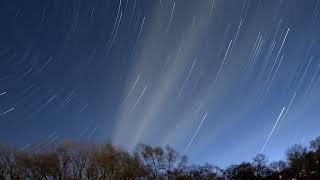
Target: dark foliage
76	161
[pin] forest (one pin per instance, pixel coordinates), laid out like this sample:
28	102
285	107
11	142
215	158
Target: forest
71	160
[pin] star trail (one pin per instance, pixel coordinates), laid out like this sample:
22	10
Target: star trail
220	80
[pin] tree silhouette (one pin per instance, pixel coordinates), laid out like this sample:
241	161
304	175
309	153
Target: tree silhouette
161	162
70	160
243	171
260	166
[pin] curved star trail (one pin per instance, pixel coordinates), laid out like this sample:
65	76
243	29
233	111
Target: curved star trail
150	71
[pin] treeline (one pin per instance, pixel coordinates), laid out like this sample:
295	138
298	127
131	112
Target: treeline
83	160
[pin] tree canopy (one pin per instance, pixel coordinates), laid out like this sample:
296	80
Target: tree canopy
71	160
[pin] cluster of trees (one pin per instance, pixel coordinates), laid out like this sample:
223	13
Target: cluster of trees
79	160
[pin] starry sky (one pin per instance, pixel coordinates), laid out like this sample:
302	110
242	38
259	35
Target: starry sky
219	80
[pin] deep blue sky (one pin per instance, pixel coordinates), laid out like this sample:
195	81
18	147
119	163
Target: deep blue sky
219	80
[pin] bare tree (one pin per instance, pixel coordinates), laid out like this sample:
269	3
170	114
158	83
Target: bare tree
295	156
204	172
79	159
278	166
260	166
315	144
8	164
243	171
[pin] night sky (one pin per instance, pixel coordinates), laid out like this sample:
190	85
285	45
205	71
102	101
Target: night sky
220	80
